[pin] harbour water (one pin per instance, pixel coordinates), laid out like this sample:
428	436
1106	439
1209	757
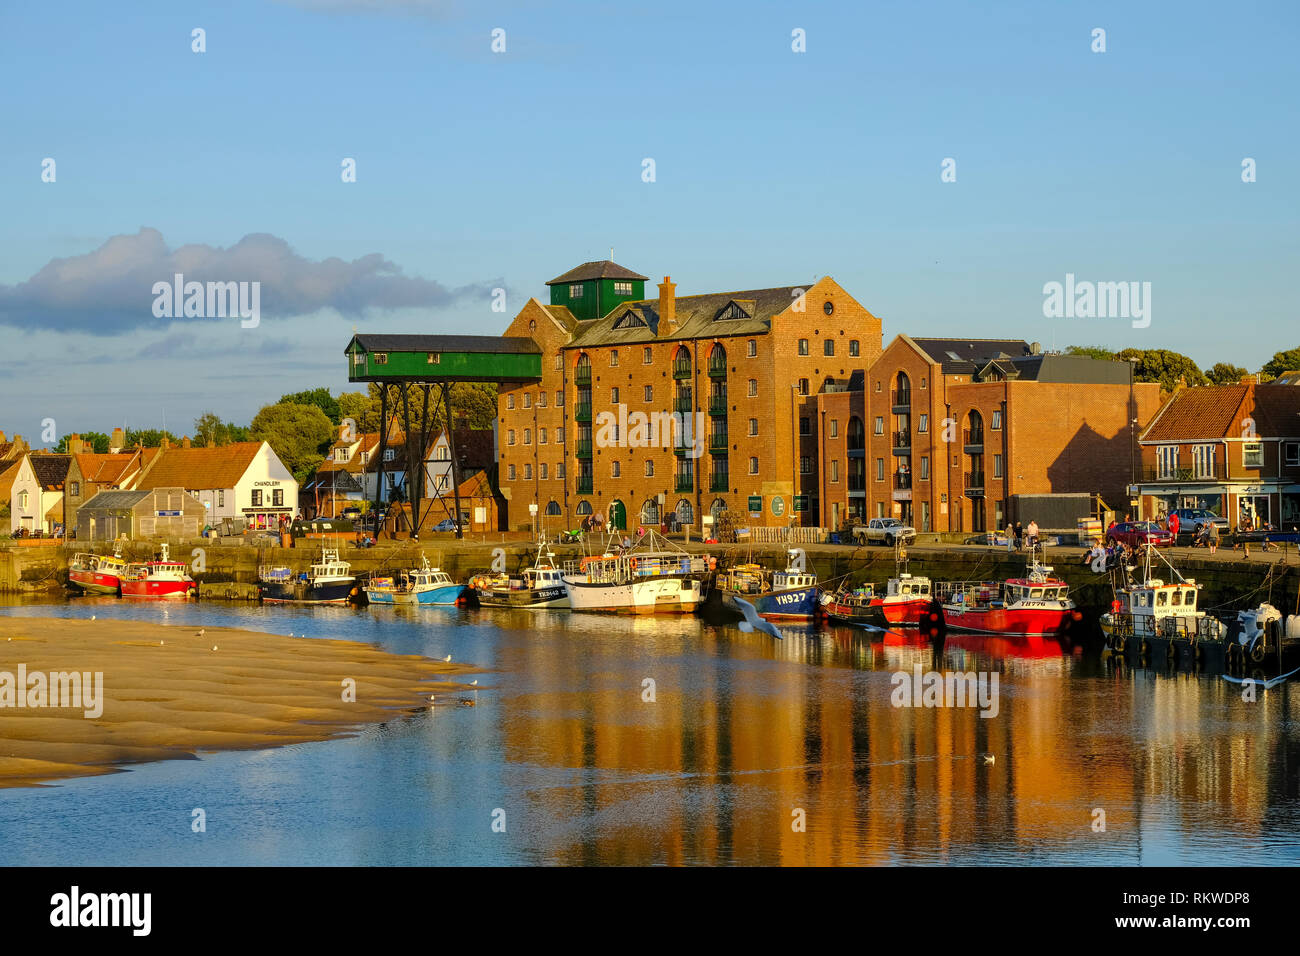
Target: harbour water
745	738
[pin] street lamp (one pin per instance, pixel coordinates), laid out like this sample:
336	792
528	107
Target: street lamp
532	511
1132	435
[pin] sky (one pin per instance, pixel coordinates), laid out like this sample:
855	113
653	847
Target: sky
478	170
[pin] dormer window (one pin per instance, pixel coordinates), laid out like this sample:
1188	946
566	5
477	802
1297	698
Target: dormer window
733	311
629	320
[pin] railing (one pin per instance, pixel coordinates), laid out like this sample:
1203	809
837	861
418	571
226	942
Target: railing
857	482
683	403
719	482
717	369
902	479
585	484
900	397
718	405
718	442
973	436
681	369
582	448
856	443
582	413
793	534
902	439
684	483
1215	473
582	375
973	481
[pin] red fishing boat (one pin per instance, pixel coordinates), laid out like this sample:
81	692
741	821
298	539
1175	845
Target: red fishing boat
1036	605
906	600
163	578
98	573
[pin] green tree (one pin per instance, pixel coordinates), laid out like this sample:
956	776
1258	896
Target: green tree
298	434
475	401
320	397
362	408
1091	351
1224	373
147	437
98	442
1163	366
1281	362
208	428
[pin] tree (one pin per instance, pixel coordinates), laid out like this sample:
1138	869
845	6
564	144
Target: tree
475	401
97	441
1281	362
208	429
1163	366
1224	373
147	437
298	434
362	408
320	397
1091	351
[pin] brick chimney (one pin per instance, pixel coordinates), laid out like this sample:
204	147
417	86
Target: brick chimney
75	445
185	441
165	442
2	437
668	307
117	441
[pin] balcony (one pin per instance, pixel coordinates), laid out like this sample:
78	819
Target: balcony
684	483
718	405
719	482
1216	472
680	450
681	369
973	438
857	482
718	442
582	448
585	484
717	368
582	413
902	480
902	440
683	404
582	375
973	482
900	399
857	446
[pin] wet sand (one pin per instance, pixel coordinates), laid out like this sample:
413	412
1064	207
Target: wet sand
166	694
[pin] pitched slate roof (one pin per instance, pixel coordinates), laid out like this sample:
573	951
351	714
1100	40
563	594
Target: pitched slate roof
560	315
219	467
51	470
1206	412
1074	369
115	500
1287	378
967	356
697	317
601	269
491	344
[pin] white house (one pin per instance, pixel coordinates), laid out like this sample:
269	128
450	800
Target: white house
240	480
36	498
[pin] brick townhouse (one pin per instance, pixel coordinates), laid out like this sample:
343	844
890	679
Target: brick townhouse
744	368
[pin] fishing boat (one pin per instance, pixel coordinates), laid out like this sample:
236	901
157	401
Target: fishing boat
1037	605
1152	614
652	577
423	585
329	581
98	573
541	586
906	600
791	593
161	578
858	606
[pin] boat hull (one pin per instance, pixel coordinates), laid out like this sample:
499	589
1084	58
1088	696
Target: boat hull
855	615
446	596
300	592
793	603
158	589
95	582
668	595
908	613
1011	622
530	598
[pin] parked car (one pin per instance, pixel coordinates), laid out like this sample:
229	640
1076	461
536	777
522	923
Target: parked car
446	524
1139	532
1189	519
884	531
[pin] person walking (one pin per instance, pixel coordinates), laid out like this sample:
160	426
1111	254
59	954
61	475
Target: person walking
1212	537
1032	531
1011	536
1172	524
1020	535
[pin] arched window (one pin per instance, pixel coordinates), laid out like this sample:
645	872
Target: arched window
974	428
584	507
553	507
902	389
650	511
857	434
717	508
685	513
718	361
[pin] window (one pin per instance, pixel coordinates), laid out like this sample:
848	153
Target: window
541	399
854	350
925	468
559	362
751	348
615	469
553	507
613	395
997	466
510	400
880	425
803	346
828	346
835	469
584	508
510	437
753	426
613	358
575	291
22	500
997	420
647	356
622	288
835	427
1167	461
381	358
1291	452
541	471
510	472
923	423
803	425
541	436
1252	454
649	468
74	488
1203	461
753	387
390	454
923	384
803	386
753	466
340	454
877	385
257	498
559	435
880	469
559	398
559	469
649	393
805	465
528	472
528	399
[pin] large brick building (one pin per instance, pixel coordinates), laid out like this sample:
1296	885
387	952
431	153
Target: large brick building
742	370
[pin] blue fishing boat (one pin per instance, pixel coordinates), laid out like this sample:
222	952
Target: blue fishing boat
792	592
423	585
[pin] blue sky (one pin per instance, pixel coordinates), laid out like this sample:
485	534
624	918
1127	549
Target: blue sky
477	170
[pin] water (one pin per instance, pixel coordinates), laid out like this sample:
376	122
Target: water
744	733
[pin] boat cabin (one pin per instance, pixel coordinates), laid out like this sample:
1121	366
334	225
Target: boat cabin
535	578
907	586
1158	599
330	566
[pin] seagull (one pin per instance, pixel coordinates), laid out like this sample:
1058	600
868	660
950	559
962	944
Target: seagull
200	634
473	683
161	643
753	622
214	647
447	659
989	758
1263	684
92	617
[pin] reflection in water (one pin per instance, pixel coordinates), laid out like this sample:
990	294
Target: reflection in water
673	740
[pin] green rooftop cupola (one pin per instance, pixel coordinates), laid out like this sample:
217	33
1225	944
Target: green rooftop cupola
594	288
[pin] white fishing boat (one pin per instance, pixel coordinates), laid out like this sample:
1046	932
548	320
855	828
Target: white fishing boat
651	577
541	586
